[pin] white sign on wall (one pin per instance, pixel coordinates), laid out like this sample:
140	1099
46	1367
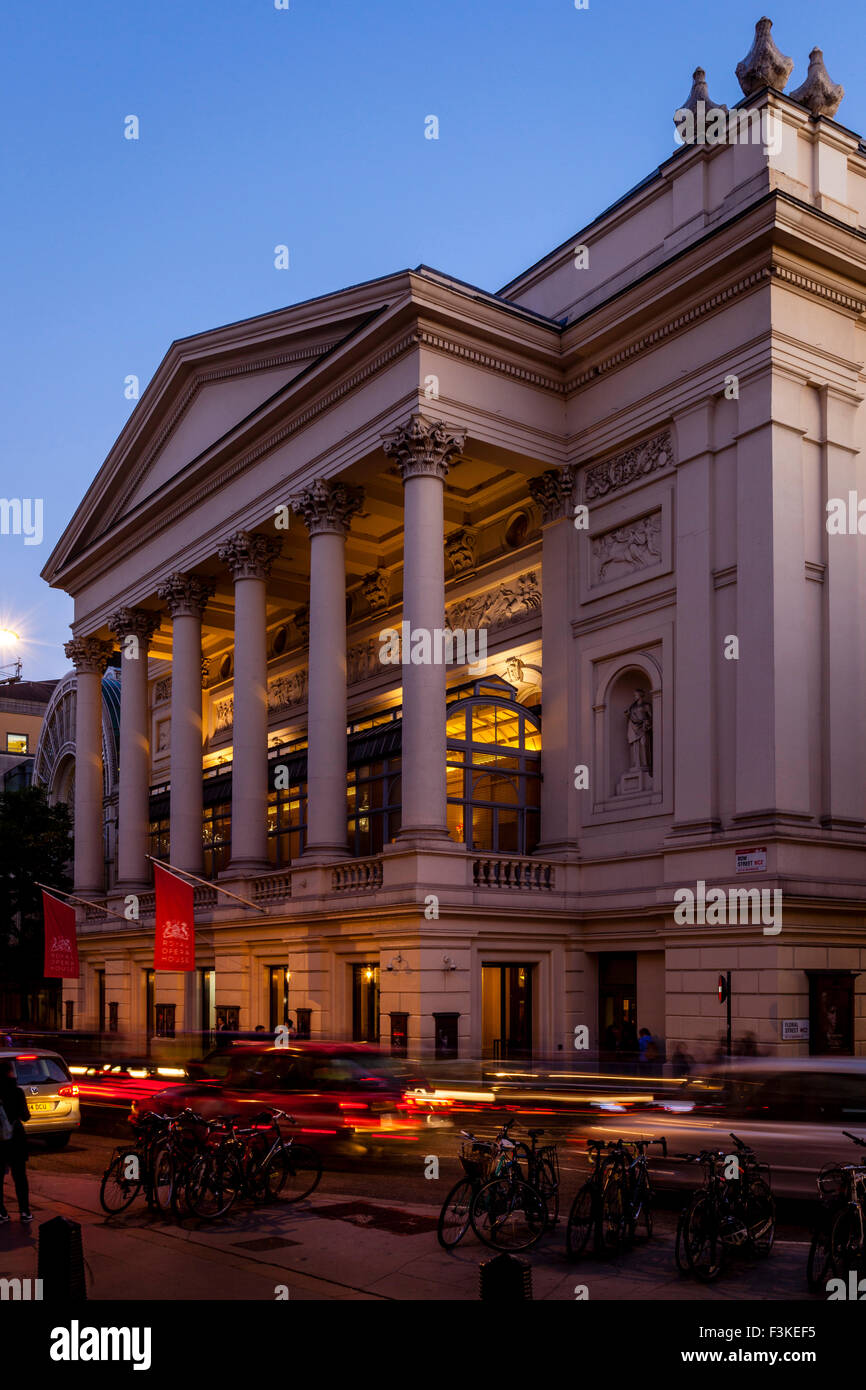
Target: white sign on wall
795	1029
752	861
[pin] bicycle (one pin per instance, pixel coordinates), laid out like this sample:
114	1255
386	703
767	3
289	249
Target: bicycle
587	1215
638	1189
834	1184
131	1167
848	1234
244	1163
476	1156
508	1212
725	1213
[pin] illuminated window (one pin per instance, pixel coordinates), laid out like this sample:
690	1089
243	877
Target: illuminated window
494	773
17	743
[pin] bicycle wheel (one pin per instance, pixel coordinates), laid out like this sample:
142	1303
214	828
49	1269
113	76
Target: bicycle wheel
547	1182
761	1218
614	1215
454	1219
291	1173
704	1250
213	1185
582	1222
508	1214
163	1179
819	1264
121	1181
640	1215
680	1256
846	1248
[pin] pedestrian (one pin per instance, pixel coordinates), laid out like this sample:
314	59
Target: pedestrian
682	1061
648	1050
13	1140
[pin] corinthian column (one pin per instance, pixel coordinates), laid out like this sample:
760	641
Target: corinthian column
133	628
560	803
89	656
249	557
186	596
327	508
424	450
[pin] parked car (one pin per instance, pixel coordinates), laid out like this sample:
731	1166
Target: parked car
792	1112
345	1096
51	1094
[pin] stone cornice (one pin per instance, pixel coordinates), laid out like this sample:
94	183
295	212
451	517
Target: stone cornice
479	357
250	555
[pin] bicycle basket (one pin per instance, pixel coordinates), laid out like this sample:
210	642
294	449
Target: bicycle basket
831	1182
476	1160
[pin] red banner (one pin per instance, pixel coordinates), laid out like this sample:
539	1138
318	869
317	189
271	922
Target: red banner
174	948
61	947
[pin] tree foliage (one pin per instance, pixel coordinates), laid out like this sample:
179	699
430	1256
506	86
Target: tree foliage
35	846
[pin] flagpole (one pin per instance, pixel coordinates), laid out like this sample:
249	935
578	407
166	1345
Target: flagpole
58	893
208	883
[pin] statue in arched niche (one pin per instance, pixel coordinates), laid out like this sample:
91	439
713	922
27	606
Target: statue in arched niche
639	726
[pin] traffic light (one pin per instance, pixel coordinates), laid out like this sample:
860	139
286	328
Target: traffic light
723	989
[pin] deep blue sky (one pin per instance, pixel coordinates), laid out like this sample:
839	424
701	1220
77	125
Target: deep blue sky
303	127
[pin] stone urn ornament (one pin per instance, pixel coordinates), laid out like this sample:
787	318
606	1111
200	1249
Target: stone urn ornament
763	65
818	93
700	92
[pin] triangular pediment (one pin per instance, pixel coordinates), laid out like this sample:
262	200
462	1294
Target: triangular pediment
208	410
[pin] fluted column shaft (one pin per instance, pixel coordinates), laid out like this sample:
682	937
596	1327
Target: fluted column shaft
186	597
134	628
89	655
423	450
327	507
249	557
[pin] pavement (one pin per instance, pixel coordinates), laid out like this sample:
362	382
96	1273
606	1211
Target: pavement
347	1245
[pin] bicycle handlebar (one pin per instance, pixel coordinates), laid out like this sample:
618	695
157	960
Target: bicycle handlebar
849	1135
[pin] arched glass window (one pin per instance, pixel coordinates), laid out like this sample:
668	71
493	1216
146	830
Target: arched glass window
494	769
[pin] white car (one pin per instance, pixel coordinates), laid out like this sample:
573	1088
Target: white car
50	1092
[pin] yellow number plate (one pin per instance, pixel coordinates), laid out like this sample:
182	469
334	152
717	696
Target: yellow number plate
39	1107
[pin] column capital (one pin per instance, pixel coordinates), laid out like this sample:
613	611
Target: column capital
134	622
423	447
89	655
553	492
249	555
186	595
328	505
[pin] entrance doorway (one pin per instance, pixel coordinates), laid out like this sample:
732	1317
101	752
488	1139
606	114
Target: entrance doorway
149	1005
617	1005
278	996
207	1000
365	1003
506	1011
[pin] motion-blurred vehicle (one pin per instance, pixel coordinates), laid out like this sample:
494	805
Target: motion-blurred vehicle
791	1112
50	1092
117	1084
346	1097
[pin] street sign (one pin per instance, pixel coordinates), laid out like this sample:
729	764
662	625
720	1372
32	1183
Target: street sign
795	1030
752	861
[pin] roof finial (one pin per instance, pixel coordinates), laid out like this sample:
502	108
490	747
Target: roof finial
763	65
698	93
818	92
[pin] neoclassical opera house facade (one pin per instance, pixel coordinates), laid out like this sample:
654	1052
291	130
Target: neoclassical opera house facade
609	480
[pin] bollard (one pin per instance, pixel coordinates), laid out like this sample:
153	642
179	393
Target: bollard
61	1261
505	1279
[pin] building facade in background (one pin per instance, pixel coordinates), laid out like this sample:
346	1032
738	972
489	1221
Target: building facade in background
467	635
